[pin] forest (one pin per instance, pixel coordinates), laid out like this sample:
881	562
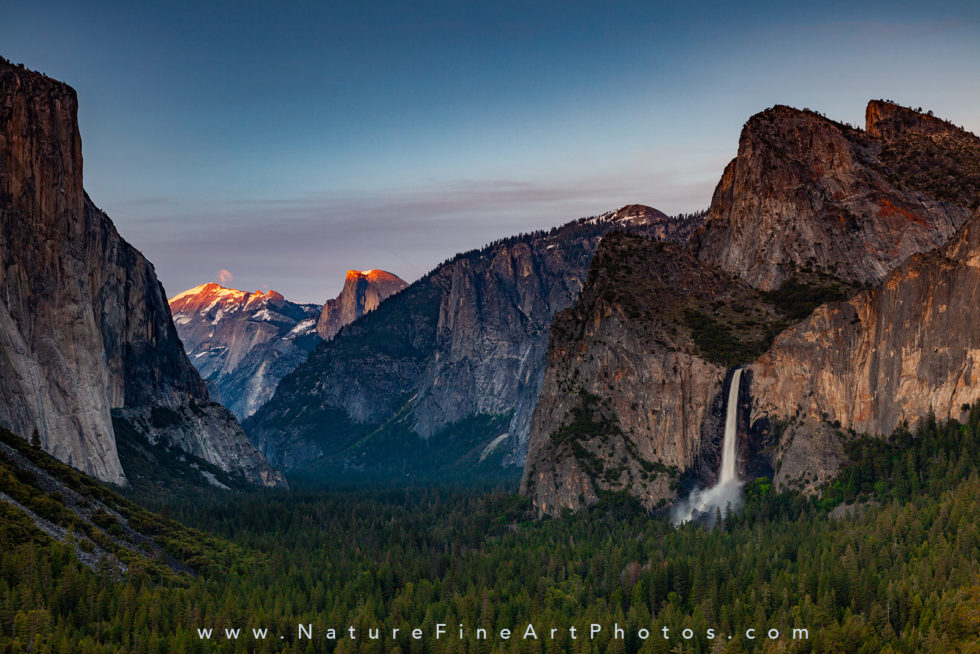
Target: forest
885	559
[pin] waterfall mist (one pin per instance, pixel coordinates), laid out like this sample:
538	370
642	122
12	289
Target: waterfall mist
727	492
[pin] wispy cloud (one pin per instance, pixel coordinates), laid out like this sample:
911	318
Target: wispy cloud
306	243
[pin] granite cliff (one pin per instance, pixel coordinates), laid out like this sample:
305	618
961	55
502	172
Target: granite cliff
813	199
241	343
445	373
633	393
363	291
885	357
811	212
86	335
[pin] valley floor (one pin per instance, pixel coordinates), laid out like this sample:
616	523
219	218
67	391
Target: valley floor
886	560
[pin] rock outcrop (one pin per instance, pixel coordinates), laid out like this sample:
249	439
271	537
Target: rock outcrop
241	343
809	198
895	354
632	393
85	329
363	291
460	351
810	211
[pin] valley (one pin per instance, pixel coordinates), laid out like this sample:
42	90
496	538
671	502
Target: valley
691	431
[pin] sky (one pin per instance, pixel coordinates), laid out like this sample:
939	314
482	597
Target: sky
277	145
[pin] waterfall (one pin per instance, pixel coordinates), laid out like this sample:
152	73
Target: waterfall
730	445
727	492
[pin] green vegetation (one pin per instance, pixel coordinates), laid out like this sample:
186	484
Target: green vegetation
97	520
395	451
592	435
720	343
900	574
796	299
588	421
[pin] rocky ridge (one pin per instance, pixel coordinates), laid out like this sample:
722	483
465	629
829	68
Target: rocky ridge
636	370
889	356
460	351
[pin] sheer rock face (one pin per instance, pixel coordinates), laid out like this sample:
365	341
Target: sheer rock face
629	402
363	291
805	199
890	355
467	340
84	324
243	343
807	195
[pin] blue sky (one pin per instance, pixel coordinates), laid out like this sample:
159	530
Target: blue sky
288	142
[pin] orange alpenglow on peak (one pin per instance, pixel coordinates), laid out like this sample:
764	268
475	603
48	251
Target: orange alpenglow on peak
212	292
373	273
363	291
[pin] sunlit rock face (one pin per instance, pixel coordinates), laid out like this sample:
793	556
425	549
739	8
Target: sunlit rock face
85	330
363	291
886	356
243	343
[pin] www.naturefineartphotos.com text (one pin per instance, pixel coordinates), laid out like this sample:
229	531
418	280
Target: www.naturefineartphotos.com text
528	632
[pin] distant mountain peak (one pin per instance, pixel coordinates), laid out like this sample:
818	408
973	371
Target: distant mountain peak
107	363
243	343
634	214
363	291
212	294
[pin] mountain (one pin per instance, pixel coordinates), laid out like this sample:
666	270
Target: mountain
444	374
632	395
86	336
809	213
808	198
907	349
243	343
363	291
